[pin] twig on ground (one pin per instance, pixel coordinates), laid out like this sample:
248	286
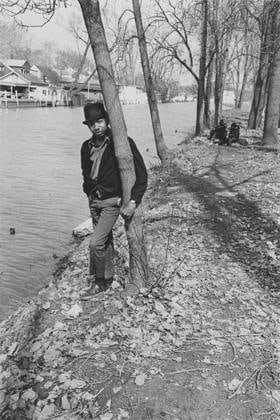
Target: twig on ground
267	413
244	384
187	371
85	361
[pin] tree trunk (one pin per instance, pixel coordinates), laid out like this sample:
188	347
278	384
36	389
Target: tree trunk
95	29
261	84
207	96
237	84
243	85
246	62
79	71
219	83
270	135
159	140
202	69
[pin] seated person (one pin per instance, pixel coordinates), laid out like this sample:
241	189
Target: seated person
219	133
234	133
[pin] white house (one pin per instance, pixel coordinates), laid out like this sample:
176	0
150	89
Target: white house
16	81
35	71
132	95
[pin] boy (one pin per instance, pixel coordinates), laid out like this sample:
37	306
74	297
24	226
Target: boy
102	184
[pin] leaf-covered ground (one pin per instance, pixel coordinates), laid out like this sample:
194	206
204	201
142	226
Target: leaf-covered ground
204	343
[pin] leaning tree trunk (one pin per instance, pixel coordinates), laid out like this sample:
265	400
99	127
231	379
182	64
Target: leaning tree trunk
237	84
159	140
202	69
243	84
79	71
134	230
270	135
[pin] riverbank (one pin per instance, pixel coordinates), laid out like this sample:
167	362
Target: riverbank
39	142
203	344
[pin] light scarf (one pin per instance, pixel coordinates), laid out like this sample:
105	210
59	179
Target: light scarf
96	156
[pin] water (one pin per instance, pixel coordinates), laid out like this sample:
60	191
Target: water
40	191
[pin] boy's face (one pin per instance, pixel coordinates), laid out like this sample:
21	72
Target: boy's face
98	127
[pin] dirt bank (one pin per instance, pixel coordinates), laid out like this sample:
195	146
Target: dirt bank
203	344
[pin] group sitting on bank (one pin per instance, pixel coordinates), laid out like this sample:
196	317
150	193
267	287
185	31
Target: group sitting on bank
220	134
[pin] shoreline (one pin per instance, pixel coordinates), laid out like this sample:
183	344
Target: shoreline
63	351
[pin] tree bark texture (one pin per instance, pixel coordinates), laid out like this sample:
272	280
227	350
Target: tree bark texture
159	140
202	69
95	29
243	84
270	135
207	96
219	83
209	82
261	84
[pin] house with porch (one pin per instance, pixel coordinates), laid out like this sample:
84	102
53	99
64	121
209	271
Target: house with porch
17	82
23	84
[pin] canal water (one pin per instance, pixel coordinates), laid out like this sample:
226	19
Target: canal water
40	189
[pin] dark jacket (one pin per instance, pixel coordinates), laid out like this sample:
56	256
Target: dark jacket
108	183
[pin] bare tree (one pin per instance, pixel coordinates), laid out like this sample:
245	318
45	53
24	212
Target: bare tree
94	25
264	19
180	22
208	86
242	55
271	122
222	21
13	38
134	228
176	23
152	100
202	67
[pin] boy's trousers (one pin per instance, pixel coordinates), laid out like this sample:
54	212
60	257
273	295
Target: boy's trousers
104	214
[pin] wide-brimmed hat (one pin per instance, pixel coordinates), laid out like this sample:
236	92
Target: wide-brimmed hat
94	111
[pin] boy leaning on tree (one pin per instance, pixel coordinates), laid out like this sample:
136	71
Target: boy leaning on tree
102	184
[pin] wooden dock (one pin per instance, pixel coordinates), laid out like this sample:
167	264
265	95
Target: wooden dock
28	103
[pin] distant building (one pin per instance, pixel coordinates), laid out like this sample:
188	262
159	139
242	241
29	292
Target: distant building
132	95
17	81
21	66
36	71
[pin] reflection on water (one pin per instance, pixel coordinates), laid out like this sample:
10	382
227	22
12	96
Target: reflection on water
40	189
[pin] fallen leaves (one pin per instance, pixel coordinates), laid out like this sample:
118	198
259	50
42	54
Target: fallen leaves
74	311
140	379
83	356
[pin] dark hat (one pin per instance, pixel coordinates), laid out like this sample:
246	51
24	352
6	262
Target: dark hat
94	111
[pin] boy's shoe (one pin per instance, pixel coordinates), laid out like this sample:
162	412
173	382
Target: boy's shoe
90	292
97	286
103	283
108	282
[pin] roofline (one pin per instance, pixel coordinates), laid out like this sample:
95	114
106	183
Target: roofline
13	71
4	75
21	76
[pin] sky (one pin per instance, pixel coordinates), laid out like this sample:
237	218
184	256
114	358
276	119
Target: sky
56	30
